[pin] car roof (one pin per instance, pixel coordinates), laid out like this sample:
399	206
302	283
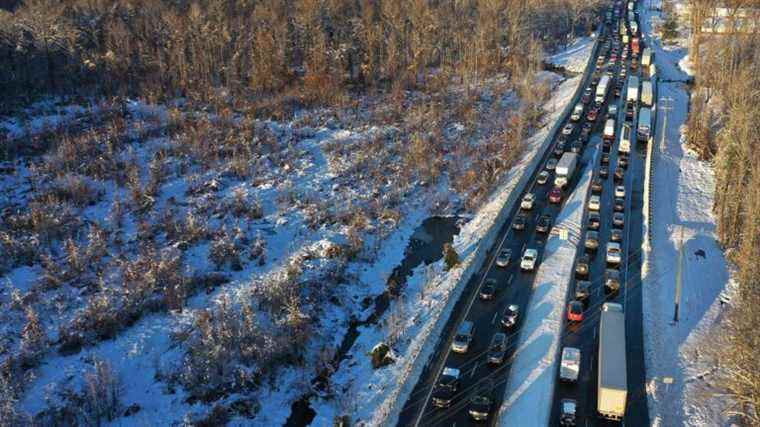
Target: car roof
451	372
531	252
613	245
514	307
571	353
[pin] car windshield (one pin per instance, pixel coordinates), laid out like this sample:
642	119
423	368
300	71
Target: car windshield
460	338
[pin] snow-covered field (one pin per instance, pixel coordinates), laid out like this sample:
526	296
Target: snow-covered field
530	390
678	372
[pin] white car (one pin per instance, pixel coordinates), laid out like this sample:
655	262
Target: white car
577	113
570	366
620	191
505	255
543	178
594	203
527	201
568	129
529	260
614	254
551	164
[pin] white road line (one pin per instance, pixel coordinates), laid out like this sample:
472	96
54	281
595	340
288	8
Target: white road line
472	373
511	278
495	315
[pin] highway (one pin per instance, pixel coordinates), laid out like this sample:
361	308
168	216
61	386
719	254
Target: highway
476	374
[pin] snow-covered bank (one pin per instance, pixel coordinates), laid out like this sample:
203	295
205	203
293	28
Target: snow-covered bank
682	197
430	295
575	57
530	389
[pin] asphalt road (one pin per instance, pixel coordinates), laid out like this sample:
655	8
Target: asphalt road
585	335
476	374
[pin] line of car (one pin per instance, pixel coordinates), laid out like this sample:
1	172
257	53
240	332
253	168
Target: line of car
570	362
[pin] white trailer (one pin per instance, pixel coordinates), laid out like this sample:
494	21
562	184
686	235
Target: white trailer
612	383
565	169
609	130
632	94
647	96
644	130
625	139
602	88
646	57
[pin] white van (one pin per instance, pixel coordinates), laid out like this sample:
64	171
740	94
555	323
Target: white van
570	367
609	130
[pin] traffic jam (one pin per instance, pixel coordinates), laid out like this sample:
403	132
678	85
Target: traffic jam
595	336
477	355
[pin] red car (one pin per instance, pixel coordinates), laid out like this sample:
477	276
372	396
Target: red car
575	311
591	116
555	196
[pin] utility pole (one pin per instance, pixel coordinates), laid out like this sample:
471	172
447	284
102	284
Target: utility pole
679	274
666	105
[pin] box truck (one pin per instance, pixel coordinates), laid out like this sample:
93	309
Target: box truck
647	96
565	169
625	139
602	88
612	390
632	94
644	130
646	57
609	130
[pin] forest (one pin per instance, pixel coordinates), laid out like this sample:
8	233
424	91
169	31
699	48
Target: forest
722	128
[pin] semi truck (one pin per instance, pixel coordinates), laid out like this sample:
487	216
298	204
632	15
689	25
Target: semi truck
565	169
647	96
632	94
612	390
644	130
646	57
625	139
602	88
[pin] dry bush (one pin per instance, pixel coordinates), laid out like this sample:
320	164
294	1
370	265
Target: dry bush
225	251
102	394
33	339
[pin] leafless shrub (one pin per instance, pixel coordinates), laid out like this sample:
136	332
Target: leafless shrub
102	393
224	251
243	206
33	339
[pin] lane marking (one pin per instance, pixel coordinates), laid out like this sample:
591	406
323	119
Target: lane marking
495	315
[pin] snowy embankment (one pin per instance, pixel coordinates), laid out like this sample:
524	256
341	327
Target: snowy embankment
530	389
683	188
430	294
575	57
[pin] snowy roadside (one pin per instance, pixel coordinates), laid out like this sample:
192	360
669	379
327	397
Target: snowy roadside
530	389
575	57
683	187
430	294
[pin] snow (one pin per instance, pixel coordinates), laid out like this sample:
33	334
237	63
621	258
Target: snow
430	293
530	388
682	197
575	57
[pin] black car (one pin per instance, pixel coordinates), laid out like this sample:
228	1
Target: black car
606	146
582	266
582	290
480	406
567	412
605	158
623	162
616	235
594	221
559	149
585	134
511	316
619	204
619	174
497	350
618	220
488	290
444	391
576	147
596	186
544	223
611	280
520	222
629	111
